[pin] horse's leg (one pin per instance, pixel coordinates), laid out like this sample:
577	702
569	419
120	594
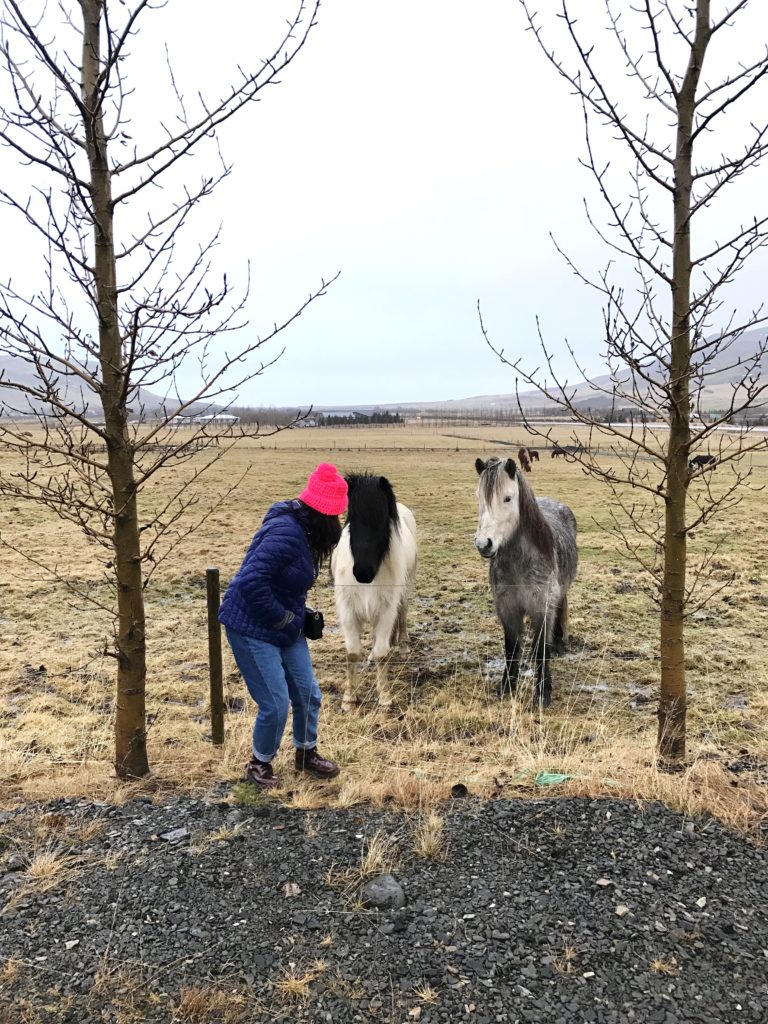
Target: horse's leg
560	635
511	617
351	695
382	635
350	627
386	699
400	632
512	649
543	627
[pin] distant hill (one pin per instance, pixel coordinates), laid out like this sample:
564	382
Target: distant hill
74	392
723	372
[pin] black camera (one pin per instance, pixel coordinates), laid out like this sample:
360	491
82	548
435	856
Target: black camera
313	624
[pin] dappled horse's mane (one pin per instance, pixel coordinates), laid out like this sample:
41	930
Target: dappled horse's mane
532	521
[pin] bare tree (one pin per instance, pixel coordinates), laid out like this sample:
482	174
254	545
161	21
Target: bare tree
122	308
674	120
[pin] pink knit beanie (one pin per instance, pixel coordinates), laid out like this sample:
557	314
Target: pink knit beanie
326	490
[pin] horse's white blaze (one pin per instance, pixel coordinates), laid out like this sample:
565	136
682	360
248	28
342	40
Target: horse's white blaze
498	519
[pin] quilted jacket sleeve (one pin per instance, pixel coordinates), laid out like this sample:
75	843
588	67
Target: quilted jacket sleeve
266	562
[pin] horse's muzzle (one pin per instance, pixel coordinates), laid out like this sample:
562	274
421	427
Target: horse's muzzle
486	548
363	574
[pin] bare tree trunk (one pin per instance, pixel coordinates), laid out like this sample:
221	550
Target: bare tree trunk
148	323
130	733
672	703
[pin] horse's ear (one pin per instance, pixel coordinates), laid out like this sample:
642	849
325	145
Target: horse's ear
351	481
511	467
384	484
479	466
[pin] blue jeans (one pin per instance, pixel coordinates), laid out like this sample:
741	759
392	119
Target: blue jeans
276	677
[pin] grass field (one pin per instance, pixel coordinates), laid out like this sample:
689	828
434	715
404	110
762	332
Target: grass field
56	687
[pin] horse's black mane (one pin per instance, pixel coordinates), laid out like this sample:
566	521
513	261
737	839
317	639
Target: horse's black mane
532	521
366	493
371	516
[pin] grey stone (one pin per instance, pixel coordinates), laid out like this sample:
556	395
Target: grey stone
175	835
383	892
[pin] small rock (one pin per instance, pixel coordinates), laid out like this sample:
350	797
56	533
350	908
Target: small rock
16	862
71	943
701	902
383	892
291	889
175	835
622	910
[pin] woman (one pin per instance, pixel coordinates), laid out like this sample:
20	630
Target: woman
263	611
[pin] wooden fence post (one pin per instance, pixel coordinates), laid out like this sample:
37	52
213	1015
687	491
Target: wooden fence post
214	656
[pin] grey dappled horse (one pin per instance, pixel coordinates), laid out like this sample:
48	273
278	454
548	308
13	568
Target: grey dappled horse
531	545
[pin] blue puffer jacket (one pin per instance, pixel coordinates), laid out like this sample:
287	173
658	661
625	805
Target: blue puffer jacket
267	597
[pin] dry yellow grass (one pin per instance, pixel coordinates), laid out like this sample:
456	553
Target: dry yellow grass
666	965
9	972
428	839
379	855
47	869
199	1004
296	984
427	995
57	687
565	962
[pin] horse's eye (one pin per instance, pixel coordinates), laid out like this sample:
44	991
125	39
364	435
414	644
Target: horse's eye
508	497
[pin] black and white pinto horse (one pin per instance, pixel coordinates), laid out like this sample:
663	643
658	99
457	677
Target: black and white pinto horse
373	567
531	545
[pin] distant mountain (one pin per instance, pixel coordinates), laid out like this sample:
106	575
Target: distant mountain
724	371
75	393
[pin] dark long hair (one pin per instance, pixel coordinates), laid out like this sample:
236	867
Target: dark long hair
323	533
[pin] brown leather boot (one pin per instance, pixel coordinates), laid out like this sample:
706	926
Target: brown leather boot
310	761
260	774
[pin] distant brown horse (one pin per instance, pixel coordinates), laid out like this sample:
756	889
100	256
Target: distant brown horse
525	459
534	455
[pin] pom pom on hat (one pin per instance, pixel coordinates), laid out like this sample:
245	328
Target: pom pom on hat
326	490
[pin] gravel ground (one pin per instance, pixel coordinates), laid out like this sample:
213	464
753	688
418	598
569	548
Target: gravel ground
548	910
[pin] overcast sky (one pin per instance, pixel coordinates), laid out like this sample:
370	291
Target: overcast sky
425	150
406	149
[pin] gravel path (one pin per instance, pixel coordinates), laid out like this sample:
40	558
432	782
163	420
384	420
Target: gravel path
548	910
